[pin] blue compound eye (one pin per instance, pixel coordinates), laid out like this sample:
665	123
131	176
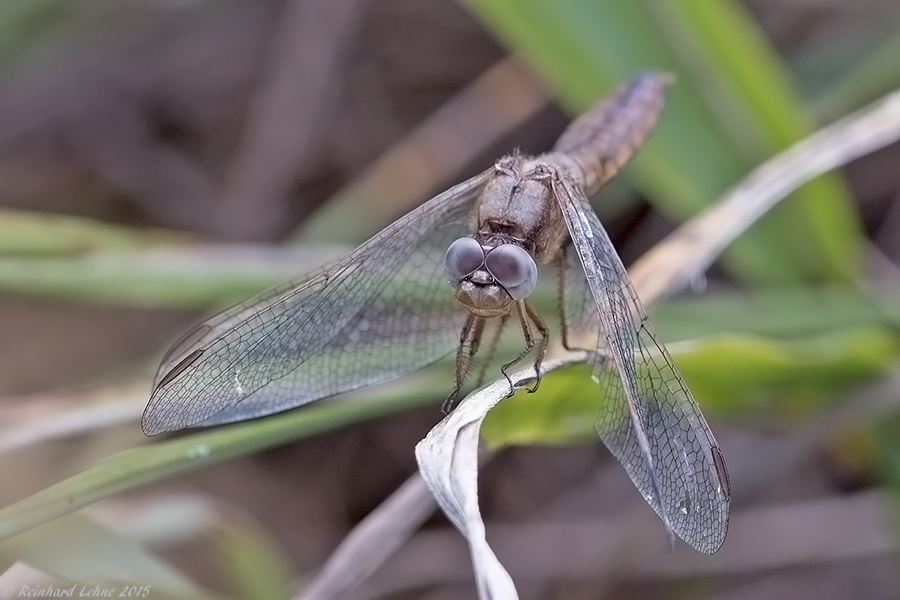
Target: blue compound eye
464	256
514	269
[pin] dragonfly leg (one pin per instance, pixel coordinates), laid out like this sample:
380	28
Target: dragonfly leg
562	263
492	350
528	318
469	340
544	332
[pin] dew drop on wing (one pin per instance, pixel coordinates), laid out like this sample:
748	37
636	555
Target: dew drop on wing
586	226
685	504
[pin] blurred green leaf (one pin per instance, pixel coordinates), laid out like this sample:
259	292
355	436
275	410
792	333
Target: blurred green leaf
884	456
561	412
82	552
34	29
819	63
743	375
784	313
22	22
876	74
85	260
252	561
728	374
749	87
180	277
33	234
139	466
583	48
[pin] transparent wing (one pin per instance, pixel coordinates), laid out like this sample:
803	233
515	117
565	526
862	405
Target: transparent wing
383	310
579	311
650	421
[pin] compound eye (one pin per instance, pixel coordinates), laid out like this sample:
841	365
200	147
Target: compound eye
463	257
514	269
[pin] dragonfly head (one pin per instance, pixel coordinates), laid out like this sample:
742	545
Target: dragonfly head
489	279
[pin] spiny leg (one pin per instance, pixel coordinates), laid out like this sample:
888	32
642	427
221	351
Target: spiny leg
469	340
561	264
544	332
492	350
529	344
525	322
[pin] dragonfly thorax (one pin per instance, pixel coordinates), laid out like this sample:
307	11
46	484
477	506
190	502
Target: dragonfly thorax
520	203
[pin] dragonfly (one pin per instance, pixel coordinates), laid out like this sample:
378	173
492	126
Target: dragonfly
441	279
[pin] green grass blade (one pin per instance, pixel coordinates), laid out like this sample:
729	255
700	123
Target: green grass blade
132	468
584	48
748	86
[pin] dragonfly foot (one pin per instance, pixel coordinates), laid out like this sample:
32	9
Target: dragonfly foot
537	383
450	402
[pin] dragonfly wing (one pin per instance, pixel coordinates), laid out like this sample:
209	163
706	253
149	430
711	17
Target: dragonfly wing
382	310
649	419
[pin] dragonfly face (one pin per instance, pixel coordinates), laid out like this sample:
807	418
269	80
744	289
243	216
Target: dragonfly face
488	278
385	309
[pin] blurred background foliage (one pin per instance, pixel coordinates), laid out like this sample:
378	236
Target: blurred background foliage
152	153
